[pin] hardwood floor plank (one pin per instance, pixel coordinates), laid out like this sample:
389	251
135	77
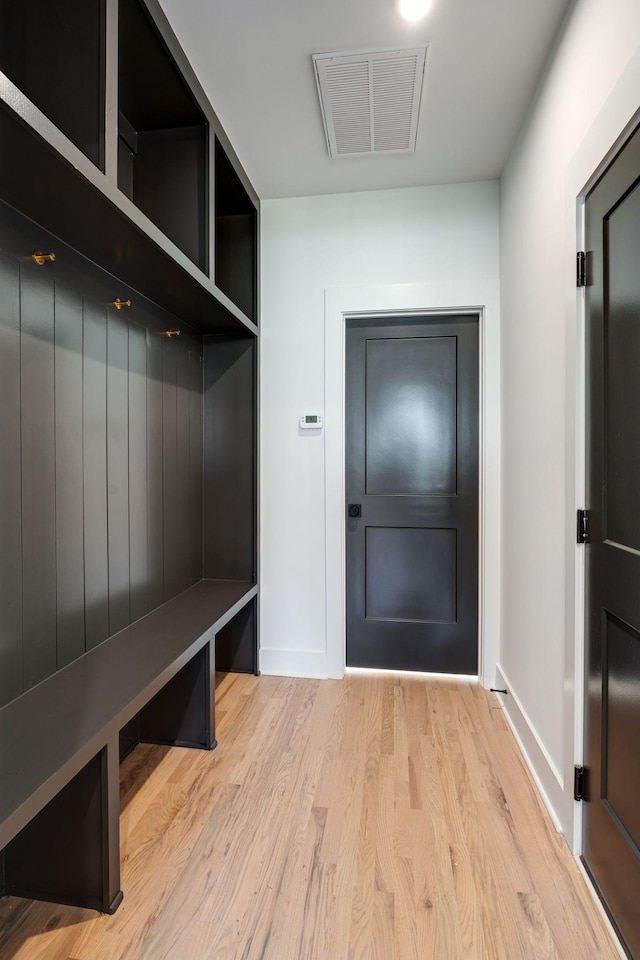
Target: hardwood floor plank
362	906
382	817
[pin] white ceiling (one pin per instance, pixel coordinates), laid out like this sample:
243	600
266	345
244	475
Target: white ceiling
253	58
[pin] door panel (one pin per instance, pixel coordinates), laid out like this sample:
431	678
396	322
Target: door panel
412	465
411	417
622	237
411	574
611	825
621	722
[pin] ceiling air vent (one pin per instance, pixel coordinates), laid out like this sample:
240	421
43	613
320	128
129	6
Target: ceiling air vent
370	101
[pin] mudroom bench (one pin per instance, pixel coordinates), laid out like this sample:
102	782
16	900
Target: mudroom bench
61	741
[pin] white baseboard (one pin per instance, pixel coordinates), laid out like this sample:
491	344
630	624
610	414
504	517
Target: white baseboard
313	665
544	772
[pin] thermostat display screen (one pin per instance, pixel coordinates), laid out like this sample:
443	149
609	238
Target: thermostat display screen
311	421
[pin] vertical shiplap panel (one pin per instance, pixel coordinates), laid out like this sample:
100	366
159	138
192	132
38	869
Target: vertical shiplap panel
11	678
170	466
138	521
96	557
105	519
195	459
38	473
118	469
183	465
69	475
155	518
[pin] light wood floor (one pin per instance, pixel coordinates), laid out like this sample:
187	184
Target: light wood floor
378	818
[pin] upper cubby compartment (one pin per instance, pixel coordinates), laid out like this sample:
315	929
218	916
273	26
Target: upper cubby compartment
235	237
163	145
55	54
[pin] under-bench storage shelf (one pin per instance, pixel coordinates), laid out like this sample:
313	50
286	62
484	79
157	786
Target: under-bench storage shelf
60	741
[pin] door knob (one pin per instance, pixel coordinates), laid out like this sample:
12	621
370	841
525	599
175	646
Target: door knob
355	510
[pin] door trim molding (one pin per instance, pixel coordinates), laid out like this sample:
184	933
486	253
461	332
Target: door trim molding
482	298
608	133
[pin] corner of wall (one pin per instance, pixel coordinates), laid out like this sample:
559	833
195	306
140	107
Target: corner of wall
546	776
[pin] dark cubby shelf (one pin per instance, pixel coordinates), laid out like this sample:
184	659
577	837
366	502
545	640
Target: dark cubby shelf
55	54
163	143
42	184
235	237
130	500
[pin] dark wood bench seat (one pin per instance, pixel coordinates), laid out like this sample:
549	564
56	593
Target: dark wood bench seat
60	743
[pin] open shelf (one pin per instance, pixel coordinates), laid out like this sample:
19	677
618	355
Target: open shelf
130	502
54	52
163	138
235	237
39	181
230	456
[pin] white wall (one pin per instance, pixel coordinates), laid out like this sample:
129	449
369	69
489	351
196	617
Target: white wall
590	91
404	249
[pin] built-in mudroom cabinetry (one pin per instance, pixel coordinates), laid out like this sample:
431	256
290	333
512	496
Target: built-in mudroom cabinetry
128	437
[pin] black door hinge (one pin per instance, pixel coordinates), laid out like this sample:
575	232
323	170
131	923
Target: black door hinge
581	269
581	527
578	783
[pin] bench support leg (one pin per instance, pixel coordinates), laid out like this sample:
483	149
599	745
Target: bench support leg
111	892
69	852
182	714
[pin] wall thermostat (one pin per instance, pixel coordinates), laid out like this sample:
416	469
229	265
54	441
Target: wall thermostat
311	421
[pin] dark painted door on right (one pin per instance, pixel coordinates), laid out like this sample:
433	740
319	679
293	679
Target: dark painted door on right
412	469
611	828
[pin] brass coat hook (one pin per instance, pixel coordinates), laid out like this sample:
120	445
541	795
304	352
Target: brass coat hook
119	304
171	333
40	258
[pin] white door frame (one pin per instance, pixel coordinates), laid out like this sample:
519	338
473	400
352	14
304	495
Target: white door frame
606	137
481	297
613	126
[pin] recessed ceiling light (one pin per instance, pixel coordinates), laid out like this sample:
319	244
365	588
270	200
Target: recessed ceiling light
414	9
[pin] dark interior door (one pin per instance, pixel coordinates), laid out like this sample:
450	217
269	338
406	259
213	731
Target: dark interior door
611	833
412	476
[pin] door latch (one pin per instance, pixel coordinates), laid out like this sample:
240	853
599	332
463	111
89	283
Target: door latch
354	510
